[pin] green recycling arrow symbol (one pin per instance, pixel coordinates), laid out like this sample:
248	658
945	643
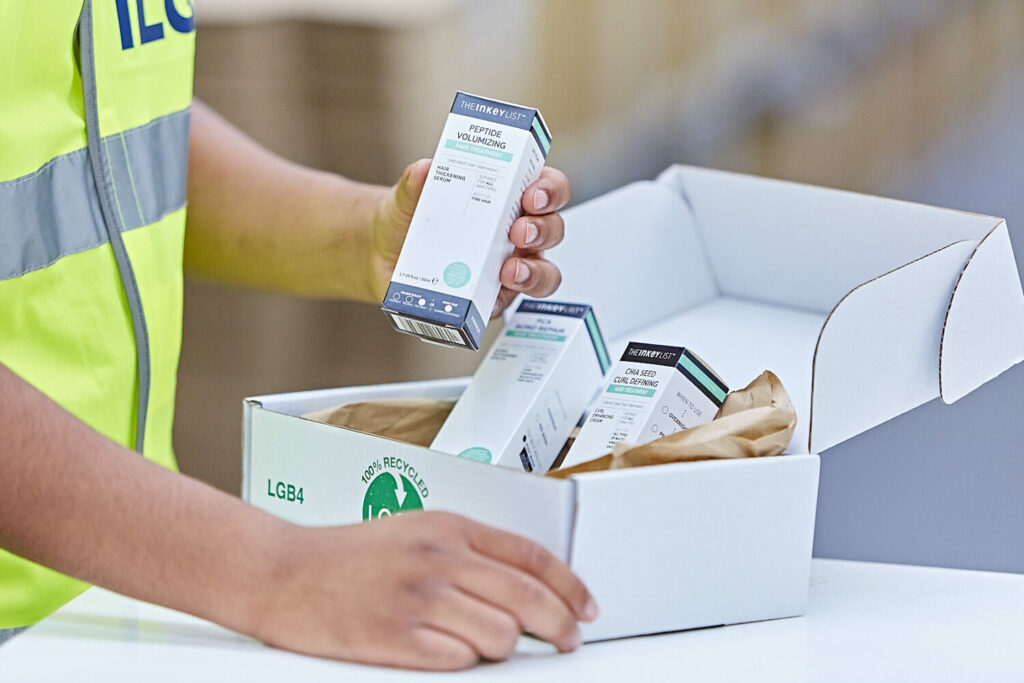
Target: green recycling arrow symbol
389	494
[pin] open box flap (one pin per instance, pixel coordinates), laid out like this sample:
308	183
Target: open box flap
615	256
756	228
651	256
984	328
877	353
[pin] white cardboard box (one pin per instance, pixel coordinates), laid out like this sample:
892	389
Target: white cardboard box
864	307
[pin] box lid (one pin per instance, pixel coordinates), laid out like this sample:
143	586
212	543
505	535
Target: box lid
865	307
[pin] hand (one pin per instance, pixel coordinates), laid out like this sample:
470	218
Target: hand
539	228
424	590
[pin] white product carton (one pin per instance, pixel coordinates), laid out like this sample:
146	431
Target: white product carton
446	280
653	391
816	285
531	389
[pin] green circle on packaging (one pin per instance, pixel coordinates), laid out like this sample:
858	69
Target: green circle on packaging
456	274
476	453
390	494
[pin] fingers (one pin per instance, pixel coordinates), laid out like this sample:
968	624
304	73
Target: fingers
547	194
539	229
536	233
530	274
536	608
491	632
536	561
432	649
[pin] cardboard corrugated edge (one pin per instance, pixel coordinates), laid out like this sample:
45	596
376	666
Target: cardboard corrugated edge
984	326
247	406
819	444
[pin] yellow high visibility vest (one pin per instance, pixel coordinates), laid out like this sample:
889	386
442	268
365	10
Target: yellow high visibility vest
94	115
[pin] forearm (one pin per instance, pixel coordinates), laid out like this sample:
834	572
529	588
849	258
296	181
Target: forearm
257	220
75	501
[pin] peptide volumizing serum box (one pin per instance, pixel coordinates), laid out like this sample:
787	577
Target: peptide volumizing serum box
446	279
653	391
531	389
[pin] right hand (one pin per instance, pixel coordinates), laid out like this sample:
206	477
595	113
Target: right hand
426	590
538	229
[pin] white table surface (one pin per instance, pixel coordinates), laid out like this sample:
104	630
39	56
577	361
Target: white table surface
866	622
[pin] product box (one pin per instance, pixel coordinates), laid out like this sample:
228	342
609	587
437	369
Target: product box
446	280
531	389
864	307
653	391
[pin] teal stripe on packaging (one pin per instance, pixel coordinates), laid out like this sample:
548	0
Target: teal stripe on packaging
595	336
478	149
545	141
702	377
630	391
546	336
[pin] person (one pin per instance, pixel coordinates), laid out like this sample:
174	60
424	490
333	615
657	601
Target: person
97	127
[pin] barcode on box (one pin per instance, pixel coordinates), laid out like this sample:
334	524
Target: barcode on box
430	330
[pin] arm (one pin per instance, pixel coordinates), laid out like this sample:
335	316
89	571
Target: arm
79	503
257	220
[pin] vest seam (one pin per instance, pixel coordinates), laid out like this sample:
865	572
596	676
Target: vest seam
113	186
131	177
98	156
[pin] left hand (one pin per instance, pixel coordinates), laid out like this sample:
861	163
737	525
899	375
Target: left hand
539	228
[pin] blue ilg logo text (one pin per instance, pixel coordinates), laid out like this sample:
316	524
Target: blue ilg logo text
155	31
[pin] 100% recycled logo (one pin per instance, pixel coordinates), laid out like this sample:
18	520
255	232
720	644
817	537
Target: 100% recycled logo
393	486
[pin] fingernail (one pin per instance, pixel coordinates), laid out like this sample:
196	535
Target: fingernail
496	309
576	640
532	234
590	610
522	272
540	199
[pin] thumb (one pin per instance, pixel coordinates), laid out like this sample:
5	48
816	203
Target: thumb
395	213
409	188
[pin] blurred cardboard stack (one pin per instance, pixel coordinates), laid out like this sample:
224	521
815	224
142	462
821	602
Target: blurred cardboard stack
833	92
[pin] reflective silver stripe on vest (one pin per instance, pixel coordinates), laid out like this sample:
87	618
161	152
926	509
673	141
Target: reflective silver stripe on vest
55	211
8	633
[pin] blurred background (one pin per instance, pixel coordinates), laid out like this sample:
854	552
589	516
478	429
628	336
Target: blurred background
917	99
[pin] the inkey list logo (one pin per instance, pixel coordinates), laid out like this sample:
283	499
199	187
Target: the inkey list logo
491	110
649	353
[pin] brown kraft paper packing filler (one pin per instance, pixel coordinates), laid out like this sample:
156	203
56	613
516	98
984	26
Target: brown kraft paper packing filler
754	422
412	420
